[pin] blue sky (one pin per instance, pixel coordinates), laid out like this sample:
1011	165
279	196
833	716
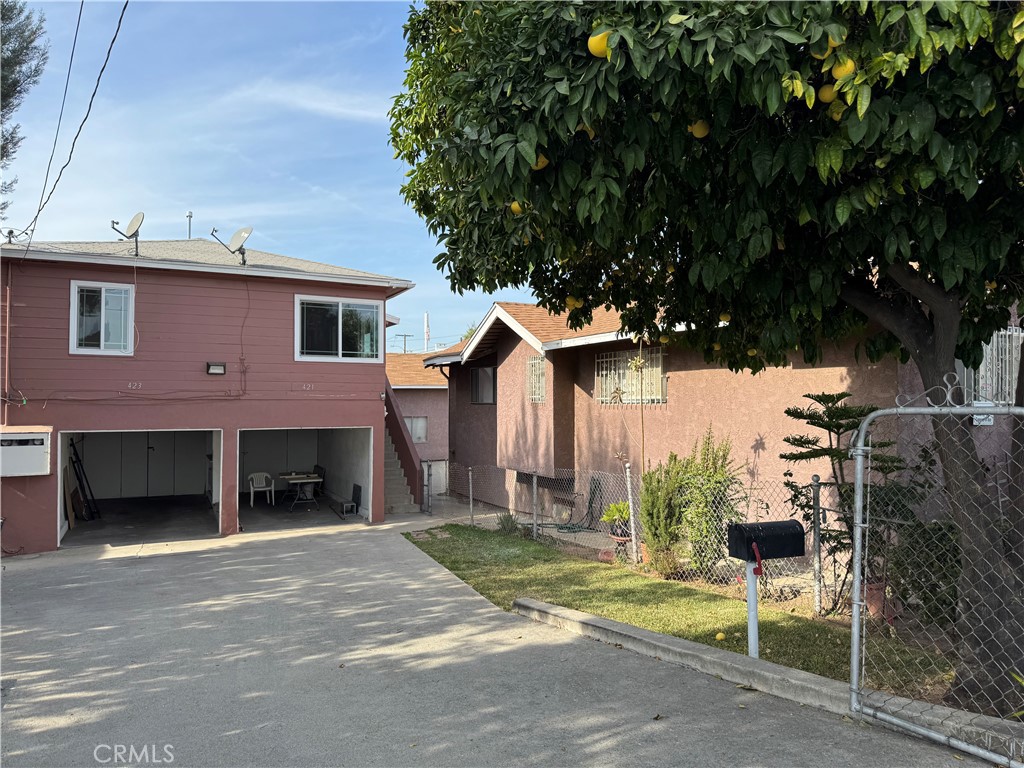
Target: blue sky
270	115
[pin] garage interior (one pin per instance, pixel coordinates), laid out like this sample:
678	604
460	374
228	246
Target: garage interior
344	455
146	486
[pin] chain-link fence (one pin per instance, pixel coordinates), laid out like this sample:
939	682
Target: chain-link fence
598	515
940	645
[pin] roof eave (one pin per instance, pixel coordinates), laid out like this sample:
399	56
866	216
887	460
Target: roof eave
396	286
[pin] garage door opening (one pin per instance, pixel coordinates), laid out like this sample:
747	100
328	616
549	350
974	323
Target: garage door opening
318	476
148	486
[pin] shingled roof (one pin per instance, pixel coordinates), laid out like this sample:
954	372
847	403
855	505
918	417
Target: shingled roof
198	254
538	327
406	370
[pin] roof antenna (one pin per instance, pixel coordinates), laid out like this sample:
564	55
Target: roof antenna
234	245
132	232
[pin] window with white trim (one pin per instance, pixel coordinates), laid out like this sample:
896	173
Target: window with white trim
995	380
102	318
630	377
332	329
536	379
484	385
417	428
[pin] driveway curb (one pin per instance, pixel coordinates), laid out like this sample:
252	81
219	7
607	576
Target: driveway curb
784	682
999	736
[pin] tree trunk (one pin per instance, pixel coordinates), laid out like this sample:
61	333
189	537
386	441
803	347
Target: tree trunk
990	606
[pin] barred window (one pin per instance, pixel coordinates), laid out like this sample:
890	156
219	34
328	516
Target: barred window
995	381
621	378
536	379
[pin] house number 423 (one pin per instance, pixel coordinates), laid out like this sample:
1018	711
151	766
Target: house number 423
134	385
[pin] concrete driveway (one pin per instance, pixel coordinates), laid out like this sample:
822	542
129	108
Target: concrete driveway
354	648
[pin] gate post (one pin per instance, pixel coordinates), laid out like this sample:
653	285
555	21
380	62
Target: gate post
860	454
816	539
632	517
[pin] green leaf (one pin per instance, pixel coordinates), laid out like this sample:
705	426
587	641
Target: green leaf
761	162
917	22
744	50
562	86
803	216
856	129
863	99
843	209
981	90
677	18
790	36
922	122
924	175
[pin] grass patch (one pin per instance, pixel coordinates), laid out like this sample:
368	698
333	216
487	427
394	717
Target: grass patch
503	567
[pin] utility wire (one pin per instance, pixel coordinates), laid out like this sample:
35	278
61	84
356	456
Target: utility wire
60	117
74	141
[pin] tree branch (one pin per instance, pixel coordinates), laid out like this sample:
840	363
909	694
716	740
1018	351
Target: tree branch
941	304
912	329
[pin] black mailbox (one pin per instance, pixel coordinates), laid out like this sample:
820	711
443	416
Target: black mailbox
779	539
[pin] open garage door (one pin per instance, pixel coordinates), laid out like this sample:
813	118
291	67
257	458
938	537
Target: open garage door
319	476
148	486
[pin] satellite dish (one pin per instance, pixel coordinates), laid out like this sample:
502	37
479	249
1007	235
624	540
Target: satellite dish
132	232
238	239
236	244
134	224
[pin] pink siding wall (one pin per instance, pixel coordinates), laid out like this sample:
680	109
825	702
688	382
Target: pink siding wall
433	404
183	321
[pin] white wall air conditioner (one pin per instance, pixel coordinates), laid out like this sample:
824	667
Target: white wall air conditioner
23	454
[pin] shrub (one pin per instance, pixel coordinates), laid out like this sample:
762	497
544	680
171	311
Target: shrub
507	523
692	498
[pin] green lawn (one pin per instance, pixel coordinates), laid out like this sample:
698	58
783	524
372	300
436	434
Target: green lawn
503	567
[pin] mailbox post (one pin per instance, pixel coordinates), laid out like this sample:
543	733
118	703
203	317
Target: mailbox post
755	542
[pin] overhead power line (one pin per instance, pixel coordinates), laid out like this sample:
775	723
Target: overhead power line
31	227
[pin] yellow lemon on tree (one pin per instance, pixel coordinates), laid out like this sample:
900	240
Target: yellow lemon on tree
844	69
725	317
720	636
541	164
699	129
821	56
752	352
570	302
671	268
827	93
516	208
598	44
663	339
836	112
991	285
586	129
833	43
717	347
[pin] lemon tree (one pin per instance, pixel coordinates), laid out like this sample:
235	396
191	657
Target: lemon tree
693	170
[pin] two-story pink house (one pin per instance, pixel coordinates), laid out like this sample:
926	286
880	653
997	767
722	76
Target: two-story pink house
183	370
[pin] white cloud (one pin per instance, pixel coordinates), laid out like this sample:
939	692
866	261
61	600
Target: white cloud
312	98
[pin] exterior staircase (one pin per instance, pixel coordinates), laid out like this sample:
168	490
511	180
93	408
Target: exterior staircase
397	496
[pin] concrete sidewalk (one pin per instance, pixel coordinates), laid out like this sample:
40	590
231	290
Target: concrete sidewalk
354	648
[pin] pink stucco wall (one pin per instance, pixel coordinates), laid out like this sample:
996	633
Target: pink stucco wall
749	410
572	430
183	320
432	404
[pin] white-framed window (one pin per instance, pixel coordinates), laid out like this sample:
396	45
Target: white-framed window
630	377
995	380
484	387
417	428
102	318
536	379
329	329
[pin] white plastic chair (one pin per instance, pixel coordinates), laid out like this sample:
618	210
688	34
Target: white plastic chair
260	481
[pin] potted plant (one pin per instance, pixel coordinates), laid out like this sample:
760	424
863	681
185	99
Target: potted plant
617	517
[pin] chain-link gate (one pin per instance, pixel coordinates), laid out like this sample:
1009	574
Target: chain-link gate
938	614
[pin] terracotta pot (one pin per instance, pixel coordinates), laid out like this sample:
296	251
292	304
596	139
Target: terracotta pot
878	604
